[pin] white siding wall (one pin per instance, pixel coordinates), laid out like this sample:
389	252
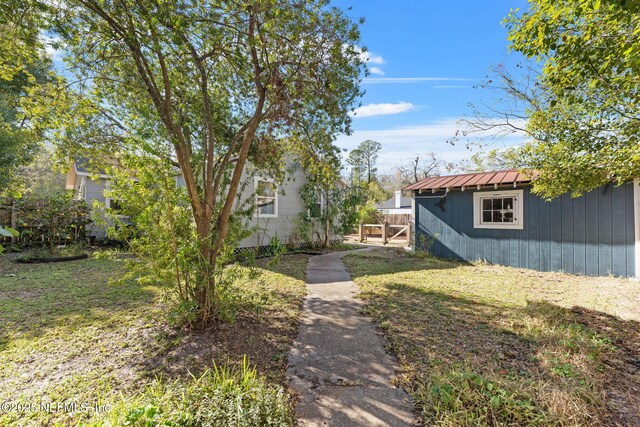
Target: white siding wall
290	205
93	191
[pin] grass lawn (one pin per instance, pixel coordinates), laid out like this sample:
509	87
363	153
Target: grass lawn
491	345
69	335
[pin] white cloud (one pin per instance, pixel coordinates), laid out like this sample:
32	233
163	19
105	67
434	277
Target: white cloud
372	58
382	80
401	144
383	109
369	57
376	70
451	87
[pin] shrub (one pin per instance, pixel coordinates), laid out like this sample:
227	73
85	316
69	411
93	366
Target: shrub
155	220
460	397
58	219
219	397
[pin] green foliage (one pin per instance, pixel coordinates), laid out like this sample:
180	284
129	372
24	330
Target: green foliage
209	87
154	218
363	160
329	208
26	77
219	397
368	214
58	219
7	232
277	247
39	178
586	121
460	397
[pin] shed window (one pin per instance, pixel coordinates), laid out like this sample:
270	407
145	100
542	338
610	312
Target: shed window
266	198
498	209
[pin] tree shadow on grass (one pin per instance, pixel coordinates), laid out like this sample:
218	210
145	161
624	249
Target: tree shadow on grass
41	298
380	261
574	365
268	309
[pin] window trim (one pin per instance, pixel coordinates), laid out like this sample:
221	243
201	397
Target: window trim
518	210
257	214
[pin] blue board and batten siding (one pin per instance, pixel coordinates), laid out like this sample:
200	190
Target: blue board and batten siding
591	235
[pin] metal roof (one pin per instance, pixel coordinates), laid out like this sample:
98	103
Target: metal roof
495	178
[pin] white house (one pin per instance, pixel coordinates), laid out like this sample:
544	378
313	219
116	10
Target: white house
278	204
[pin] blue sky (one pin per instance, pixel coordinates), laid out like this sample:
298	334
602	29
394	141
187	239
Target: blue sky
425	58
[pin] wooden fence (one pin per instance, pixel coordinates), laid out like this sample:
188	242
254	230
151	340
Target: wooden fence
388	232
20	215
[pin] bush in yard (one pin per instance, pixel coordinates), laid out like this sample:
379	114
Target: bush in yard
329	207
58	219
154	219
219	397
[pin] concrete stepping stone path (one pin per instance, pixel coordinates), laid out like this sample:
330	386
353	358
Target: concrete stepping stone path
338	364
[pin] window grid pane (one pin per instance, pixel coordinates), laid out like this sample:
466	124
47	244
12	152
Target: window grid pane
497	210
266	197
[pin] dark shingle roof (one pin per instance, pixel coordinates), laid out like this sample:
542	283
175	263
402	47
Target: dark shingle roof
405	203
85	165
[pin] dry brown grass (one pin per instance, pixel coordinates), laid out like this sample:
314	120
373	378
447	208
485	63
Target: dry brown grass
67	334
490	345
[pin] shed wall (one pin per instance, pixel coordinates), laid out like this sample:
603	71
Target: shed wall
591	235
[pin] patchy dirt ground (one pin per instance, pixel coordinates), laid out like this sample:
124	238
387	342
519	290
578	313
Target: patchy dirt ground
68	334
491	345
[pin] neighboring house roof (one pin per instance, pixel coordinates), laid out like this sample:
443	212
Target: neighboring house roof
495	178
83	167
405	203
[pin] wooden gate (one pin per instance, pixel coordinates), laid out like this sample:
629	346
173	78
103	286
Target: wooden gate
395	230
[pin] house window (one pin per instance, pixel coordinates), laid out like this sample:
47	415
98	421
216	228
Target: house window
115	205
266	198
498	209
82	189
317	208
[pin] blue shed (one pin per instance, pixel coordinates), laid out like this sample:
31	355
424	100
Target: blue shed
494	216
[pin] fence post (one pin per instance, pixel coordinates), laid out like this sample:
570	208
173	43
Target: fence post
361	233
384	233
409	233
14	220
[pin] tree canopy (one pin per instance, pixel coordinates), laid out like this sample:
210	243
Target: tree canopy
25	74
586	119
210	88
362	160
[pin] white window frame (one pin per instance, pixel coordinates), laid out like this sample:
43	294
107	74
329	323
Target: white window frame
275	203
322	204
82	189
518	209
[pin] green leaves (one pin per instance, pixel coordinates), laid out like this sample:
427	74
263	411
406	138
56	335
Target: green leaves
8	232
586	129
